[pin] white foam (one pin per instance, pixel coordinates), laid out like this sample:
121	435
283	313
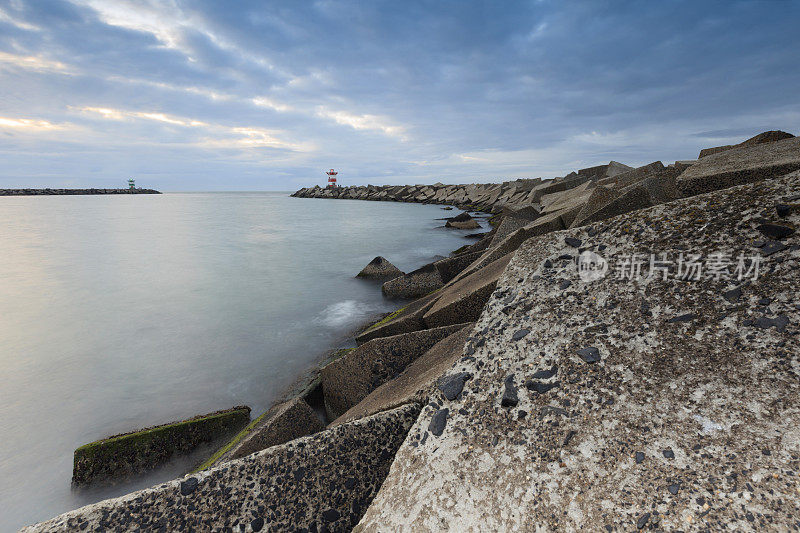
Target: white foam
345	313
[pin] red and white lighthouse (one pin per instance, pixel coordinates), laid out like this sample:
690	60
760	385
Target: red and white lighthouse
331	177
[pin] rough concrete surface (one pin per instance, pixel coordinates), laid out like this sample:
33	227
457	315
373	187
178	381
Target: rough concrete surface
463	300
740	165
380	268
415	382
619	404
286	421
347	380
319	483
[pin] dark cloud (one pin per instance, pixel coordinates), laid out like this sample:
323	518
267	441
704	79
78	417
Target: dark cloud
255	95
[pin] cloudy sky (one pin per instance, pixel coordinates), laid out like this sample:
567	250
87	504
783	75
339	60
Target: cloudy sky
255	95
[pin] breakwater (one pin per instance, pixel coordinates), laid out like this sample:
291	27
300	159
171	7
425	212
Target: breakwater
68	192
542	394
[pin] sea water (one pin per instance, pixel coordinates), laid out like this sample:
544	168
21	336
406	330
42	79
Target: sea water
121	312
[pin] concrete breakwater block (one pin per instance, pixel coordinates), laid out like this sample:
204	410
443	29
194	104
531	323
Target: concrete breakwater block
404	320
463	300
139	451
346	381
765	137
452	266
284	422
462	221
623	403
414	284
323	482
416	382
380	268
741	165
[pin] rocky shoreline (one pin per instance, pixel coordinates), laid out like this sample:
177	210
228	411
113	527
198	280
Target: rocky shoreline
546	378
69	192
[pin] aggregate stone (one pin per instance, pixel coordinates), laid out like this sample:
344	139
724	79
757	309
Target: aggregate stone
438	421
639	457
564	284
257	524
673	488
668	454
451	386
590	354
572	241
733	295
783	210
775	231
189	486
509	393
688	317
545	374
642	521
539	387
772	247
519	334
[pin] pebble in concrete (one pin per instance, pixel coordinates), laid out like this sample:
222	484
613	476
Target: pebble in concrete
451	386
590	354
775	231
439	421
510	393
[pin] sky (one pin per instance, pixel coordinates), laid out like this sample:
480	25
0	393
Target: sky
267	95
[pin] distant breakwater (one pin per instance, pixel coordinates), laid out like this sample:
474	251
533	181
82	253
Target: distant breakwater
67	192
487	197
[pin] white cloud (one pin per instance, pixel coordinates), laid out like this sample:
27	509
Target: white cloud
362	122
211	135
31	62
21	24
28	124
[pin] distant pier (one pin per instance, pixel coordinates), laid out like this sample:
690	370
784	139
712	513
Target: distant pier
66	192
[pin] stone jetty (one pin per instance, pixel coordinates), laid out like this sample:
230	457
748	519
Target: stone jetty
619	353
69	192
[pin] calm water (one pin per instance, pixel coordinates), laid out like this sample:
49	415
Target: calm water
118	312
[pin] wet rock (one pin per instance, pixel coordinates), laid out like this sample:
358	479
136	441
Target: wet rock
510	398
439	421
775	231
451	386
590	354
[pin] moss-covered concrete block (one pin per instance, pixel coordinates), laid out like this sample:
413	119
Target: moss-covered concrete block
139	451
